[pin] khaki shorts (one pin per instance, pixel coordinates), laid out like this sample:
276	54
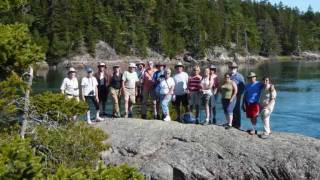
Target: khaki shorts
130	94
194	98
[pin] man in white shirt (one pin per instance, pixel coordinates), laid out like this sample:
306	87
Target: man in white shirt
180	89
90	93
70	86
129	86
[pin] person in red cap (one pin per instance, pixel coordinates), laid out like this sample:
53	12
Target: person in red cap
103	85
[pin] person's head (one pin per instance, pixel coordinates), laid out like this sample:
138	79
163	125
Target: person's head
266	80
213	69
167	73
132	67
101	66
160	66
89	71
116	68
150	64
179	67
207	72
71	73
196	70
233	68
140	65
252	77
227	77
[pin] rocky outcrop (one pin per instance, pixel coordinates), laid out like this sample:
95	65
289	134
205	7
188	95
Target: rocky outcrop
308	56
170	150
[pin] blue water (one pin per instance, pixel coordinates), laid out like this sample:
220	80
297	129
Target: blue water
297	105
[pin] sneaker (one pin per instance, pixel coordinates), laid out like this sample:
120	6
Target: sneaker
228	127
252	132
155	117
99	119
126	116
205	123
167	118
264	136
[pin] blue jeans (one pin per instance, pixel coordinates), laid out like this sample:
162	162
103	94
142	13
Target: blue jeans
164	100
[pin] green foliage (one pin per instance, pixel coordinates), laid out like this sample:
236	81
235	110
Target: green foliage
122	172
17	159
76	145
10	90
6	5
17	51
57	106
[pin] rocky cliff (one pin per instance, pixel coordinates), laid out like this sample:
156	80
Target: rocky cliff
170	150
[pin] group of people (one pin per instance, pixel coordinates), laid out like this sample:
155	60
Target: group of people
146	81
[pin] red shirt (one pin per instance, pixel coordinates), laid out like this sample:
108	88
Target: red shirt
147	79
194	83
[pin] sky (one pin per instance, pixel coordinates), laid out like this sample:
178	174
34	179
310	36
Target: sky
301	4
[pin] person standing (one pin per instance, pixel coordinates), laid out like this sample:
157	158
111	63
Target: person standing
180	89
148	90
206	89
90	93
103	85
228	91
194	86
115	90
166	90
267	102
251	100
239	80
157	77
140	72
70	86
213	98
129	86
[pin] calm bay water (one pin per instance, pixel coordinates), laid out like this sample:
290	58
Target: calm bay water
297	105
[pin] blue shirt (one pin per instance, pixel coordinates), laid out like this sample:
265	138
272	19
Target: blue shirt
252	92
156	75
239	80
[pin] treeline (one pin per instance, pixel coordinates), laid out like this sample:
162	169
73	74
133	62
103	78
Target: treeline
65	27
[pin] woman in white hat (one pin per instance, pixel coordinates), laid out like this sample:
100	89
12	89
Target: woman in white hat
129	84
70	86
267	102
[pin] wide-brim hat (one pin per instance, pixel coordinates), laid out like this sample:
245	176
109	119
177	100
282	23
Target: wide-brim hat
160	64
132	65
233	65
179	64
89	69
251	74
101	64
71	69
141	63
212	67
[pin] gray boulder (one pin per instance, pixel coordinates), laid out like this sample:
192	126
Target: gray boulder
170	150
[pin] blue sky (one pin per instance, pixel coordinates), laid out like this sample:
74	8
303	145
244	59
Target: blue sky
301	4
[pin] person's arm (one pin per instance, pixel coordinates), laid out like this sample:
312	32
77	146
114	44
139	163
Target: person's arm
63	86
273	96
82	89
234	92
97	93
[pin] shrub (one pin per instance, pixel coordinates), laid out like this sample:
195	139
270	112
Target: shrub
76	145
17	159
57	106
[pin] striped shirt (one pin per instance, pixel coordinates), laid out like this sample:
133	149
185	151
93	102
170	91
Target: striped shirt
194	83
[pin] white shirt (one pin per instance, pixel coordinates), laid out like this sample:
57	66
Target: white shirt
70	86
205	84
89	85
181	82
130	79
165	85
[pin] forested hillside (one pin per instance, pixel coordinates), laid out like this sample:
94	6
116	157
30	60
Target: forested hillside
169	27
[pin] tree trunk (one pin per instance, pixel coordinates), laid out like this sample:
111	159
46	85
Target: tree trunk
26	103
